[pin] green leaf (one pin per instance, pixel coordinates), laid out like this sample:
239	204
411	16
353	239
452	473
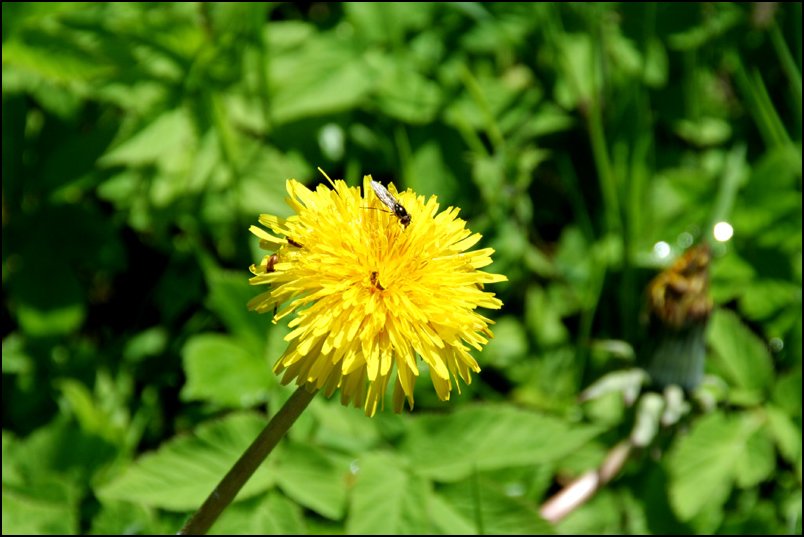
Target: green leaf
125	518
183	471
509	344
656	64
490	509
324	76
406	95
166	136
758	459
262	188
544	318
15	358
229	292
787	392
742	354
704	464
387	21
48	507
310	478
581	74
150	342
450	448
343	428
428	171
785	433
704	131
41	455
220	370
448	519
764	298
89	414
269	514
601	514
387	499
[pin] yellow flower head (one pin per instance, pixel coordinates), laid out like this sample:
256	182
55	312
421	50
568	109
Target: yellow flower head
373	291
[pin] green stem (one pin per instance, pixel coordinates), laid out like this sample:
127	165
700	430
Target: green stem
248	463
608	185
787	62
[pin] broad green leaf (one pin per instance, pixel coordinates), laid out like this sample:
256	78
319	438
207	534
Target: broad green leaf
787	392
704	131
743	356
48	507
428	172
126	518
731	275
41	455
656	64
602	513
387	21
91	416
324	76
15	358
449	448
312	479
183	471
220	370
387	499
490	509
268	514
699	35
150	342
345	429
544	318
764	298
785	433
408	96
485	99
704	464
509	344
580	70
758	460
167	135
448	519
262	188
229	293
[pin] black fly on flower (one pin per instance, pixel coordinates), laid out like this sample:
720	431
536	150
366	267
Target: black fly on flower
390	201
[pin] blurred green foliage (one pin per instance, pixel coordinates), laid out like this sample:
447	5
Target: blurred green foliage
588	143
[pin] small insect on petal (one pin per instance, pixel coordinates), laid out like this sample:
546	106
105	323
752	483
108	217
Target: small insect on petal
273	260
375	280
390	201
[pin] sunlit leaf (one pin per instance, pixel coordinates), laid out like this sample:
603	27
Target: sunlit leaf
183	471
449	448
222	371
704	465
387	499
268	514
489	509
307	476
743	355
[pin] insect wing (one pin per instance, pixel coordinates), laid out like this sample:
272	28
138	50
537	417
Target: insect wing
386	197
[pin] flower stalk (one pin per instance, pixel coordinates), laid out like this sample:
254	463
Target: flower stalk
248	463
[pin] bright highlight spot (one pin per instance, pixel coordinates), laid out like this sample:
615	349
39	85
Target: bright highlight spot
723	231
661	249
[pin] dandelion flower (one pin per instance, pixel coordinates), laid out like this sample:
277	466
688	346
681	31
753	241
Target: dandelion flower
373	291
